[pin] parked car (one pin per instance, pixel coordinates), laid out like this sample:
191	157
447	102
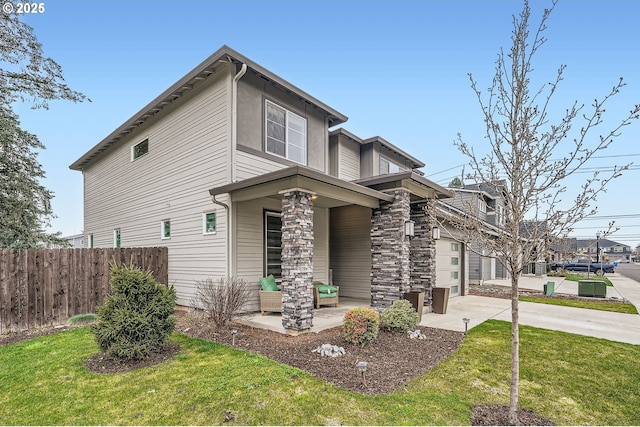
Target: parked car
584	265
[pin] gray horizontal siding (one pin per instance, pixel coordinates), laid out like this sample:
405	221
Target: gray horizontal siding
188	146
350	250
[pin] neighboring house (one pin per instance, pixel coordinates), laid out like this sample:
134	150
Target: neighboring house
609	250
236	171
484	201
76	241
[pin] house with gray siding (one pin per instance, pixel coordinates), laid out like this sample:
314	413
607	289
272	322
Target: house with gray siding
485	202
240	173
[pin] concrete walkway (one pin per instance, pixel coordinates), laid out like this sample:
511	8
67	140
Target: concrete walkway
595	323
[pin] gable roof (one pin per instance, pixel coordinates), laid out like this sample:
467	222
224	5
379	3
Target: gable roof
203	70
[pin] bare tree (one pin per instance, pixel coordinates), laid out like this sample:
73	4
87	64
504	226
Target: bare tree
527	155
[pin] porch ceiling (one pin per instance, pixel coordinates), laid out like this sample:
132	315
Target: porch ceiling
331	192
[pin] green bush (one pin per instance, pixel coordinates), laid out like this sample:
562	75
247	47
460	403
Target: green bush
361	325
137	318
400	317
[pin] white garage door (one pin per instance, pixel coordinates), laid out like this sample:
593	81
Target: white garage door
448	265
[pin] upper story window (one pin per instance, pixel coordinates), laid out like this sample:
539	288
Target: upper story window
500	219
286	134
482	206
139	149
387	166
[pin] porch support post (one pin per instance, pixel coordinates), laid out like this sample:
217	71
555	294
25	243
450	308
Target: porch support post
297	260
423	250
390	276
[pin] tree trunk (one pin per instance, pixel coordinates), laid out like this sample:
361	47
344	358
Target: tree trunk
515	354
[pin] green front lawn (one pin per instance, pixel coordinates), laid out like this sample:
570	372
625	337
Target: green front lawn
567	378
593	305
574	277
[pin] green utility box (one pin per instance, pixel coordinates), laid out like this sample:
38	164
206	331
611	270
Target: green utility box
592	288
549	288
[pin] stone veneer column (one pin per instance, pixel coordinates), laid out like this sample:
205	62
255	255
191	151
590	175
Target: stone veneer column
390	276
297	260
423	250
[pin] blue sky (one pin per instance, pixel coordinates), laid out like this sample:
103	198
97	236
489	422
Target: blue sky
397	69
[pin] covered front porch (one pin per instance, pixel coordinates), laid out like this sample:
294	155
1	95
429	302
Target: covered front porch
372	239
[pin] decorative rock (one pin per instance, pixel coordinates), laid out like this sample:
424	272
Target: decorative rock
329	350
417	335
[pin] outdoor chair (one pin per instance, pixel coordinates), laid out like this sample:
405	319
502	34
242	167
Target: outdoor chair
270	295
325	294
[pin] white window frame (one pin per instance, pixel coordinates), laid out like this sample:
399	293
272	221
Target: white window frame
117	235
265	244
162	229
391	166
133	149
288	116
500	215
482	205
90	240
204	223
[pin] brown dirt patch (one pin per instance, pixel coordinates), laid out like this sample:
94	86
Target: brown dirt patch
104	364
496	415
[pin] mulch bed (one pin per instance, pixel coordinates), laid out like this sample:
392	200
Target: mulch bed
392	360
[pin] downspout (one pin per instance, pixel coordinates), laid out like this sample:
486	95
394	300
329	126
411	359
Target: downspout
227	214
234	119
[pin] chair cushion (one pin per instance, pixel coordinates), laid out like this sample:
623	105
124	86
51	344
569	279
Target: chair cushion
268	283
326	290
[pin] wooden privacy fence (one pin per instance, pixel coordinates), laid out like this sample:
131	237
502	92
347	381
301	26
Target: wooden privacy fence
45	287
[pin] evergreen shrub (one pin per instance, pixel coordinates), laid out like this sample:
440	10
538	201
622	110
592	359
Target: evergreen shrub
400	317
137	318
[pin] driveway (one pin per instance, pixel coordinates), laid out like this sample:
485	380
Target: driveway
595	323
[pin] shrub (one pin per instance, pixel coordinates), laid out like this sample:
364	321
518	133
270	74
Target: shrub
222	300
137	318
400	317
361	325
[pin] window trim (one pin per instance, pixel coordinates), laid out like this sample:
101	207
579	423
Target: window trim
390	165
117	238
133	150
163	235
267	213
287	113
482	205
204	223
90	240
